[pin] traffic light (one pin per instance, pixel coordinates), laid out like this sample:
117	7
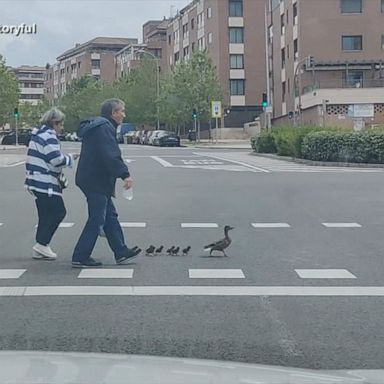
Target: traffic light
264	103
194	114
16	113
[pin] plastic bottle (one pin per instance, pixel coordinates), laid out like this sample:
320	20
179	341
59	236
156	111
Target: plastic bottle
128	193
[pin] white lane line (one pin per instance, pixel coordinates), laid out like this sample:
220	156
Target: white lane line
325	274
11	273
199	225
106	274
216	274
133	225
252	291
16	164
66	225
341	225
271	225
163	162
238	162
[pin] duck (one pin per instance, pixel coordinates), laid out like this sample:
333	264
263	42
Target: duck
221	244
175	252
149	251
159	250
186	250
170	250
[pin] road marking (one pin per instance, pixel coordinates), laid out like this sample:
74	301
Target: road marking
271	225
129	160
342	225
251	291
132	225
163	162
106	274
66	225
325	274
16	164
11	273
199	225
216	274
238	162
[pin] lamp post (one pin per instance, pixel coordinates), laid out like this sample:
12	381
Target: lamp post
157	81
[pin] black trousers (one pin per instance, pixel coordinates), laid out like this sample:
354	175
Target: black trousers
51	211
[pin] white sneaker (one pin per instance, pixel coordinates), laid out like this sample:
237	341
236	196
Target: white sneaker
43	252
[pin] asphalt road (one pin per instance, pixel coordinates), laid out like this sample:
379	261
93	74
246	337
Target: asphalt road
263	312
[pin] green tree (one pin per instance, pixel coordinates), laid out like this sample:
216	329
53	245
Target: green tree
9	93
30	114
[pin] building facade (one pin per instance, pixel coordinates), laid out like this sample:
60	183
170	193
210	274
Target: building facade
31	83
94	58
343	84
233	34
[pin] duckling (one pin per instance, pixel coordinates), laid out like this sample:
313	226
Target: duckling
149	251
221	244
170	250
186	250
175	252
159	250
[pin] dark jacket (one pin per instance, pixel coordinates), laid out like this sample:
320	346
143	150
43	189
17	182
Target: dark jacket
100	162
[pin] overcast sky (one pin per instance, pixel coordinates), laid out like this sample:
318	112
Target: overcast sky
61	24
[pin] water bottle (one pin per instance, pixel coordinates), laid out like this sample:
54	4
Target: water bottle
128	193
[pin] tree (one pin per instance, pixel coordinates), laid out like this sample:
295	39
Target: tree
9	93
30	114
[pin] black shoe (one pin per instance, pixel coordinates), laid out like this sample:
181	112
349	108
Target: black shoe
89	263
132	253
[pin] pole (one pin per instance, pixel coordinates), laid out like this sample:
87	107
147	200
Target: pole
158	93
195	128
16	132
217	127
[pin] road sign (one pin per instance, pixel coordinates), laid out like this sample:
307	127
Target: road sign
216	109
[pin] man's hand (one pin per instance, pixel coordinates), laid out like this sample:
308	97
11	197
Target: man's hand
128	183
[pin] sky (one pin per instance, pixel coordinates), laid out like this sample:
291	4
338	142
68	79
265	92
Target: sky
61	24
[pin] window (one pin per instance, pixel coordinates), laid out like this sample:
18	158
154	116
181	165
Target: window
209	37
287	17
95	64
353	79
382	41
351	6
283	91
200	44
236	35
295	14
382	6
296	49
283	58
79	64
209	13
186	52
193	47
169	39
235	8
177	57
192	23
236	61
282	25
352	43
185	31
200	19
237	87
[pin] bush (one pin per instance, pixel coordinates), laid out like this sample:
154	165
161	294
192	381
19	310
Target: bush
264	143
357	147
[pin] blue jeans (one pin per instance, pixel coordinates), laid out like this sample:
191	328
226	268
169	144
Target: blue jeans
101	215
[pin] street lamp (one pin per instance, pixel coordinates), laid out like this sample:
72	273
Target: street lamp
157	81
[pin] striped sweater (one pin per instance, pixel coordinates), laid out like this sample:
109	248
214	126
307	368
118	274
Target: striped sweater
45	162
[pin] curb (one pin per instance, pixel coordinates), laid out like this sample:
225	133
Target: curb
318	163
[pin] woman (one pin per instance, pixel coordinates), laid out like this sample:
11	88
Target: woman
44	165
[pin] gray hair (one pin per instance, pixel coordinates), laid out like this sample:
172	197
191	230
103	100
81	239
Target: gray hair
52	116
110	105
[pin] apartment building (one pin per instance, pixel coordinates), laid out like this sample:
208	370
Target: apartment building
94	58
31	83
343	85
233	33
154	43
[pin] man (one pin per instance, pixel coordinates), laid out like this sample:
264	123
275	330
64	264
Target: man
99	166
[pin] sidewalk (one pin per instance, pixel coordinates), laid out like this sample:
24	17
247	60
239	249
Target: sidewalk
220	144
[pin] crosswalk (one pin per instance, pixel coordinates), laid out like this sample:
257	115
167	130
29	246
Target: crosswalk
265	164
259	225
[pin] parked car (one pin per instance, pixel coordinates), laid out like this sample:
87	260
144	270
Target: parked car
23	137
153	137
167	139
129	137
123	129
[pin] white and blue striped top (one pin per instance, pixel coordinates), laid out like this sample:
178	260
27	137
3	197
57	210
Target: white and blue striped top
45	162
